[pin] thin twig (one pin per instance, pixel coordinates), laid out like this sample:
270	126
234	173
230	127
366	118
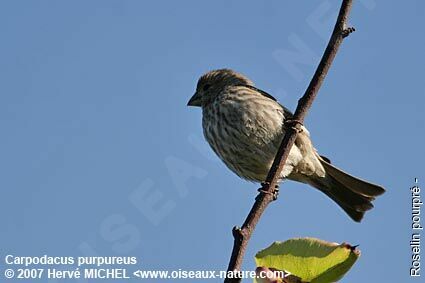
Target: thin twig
268	189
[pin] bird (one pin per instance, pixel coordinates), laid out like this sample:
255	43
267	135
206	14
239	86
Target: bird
245	126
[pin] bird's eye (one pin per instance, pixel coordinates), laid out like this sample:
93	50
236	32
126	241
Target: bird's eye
206	87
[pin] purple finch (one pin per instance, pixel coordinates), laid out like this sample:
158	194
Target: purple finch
245	126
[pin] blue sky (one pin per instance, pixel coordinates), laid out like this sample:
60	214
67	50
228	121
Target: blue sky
101	155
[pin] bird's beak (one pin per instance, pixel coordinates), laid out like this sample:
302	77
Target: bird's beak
195	100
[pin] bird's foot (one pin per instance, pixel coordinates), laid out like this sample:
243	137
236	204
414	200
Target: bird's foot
276	192
264	190
346	32
294	124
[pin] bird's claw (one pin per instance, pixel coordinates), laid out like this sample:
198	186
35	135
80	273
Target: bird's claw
274	193
346	32
295	124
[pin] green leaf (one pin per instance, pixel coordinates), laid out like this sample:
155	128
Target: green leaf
312	260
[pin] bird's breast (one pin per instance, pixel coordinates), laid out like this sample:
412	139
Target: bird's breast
244	133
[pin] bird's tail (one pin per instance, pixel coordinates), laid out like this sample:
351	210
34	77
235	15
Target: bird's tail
353	195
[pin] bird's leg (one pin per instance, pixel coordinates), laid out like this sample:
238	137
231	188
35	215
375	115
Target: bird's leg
274	192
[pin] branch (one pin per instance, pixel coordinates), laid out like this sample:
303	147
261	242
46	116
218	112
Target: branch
268	190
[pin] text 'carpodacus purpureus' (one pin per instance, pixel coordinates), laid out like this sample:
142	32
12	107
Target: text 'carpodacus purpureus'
245	126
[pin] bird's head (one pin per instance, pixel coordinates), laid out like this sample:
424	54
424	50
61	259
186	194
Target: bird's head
211	84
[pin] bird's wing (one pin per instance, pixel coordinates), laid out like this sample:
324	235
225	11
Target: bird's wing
286	112
262	92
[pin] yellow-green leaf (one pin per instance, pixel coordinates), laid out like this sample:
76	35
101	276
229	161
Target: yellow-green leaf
310	259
